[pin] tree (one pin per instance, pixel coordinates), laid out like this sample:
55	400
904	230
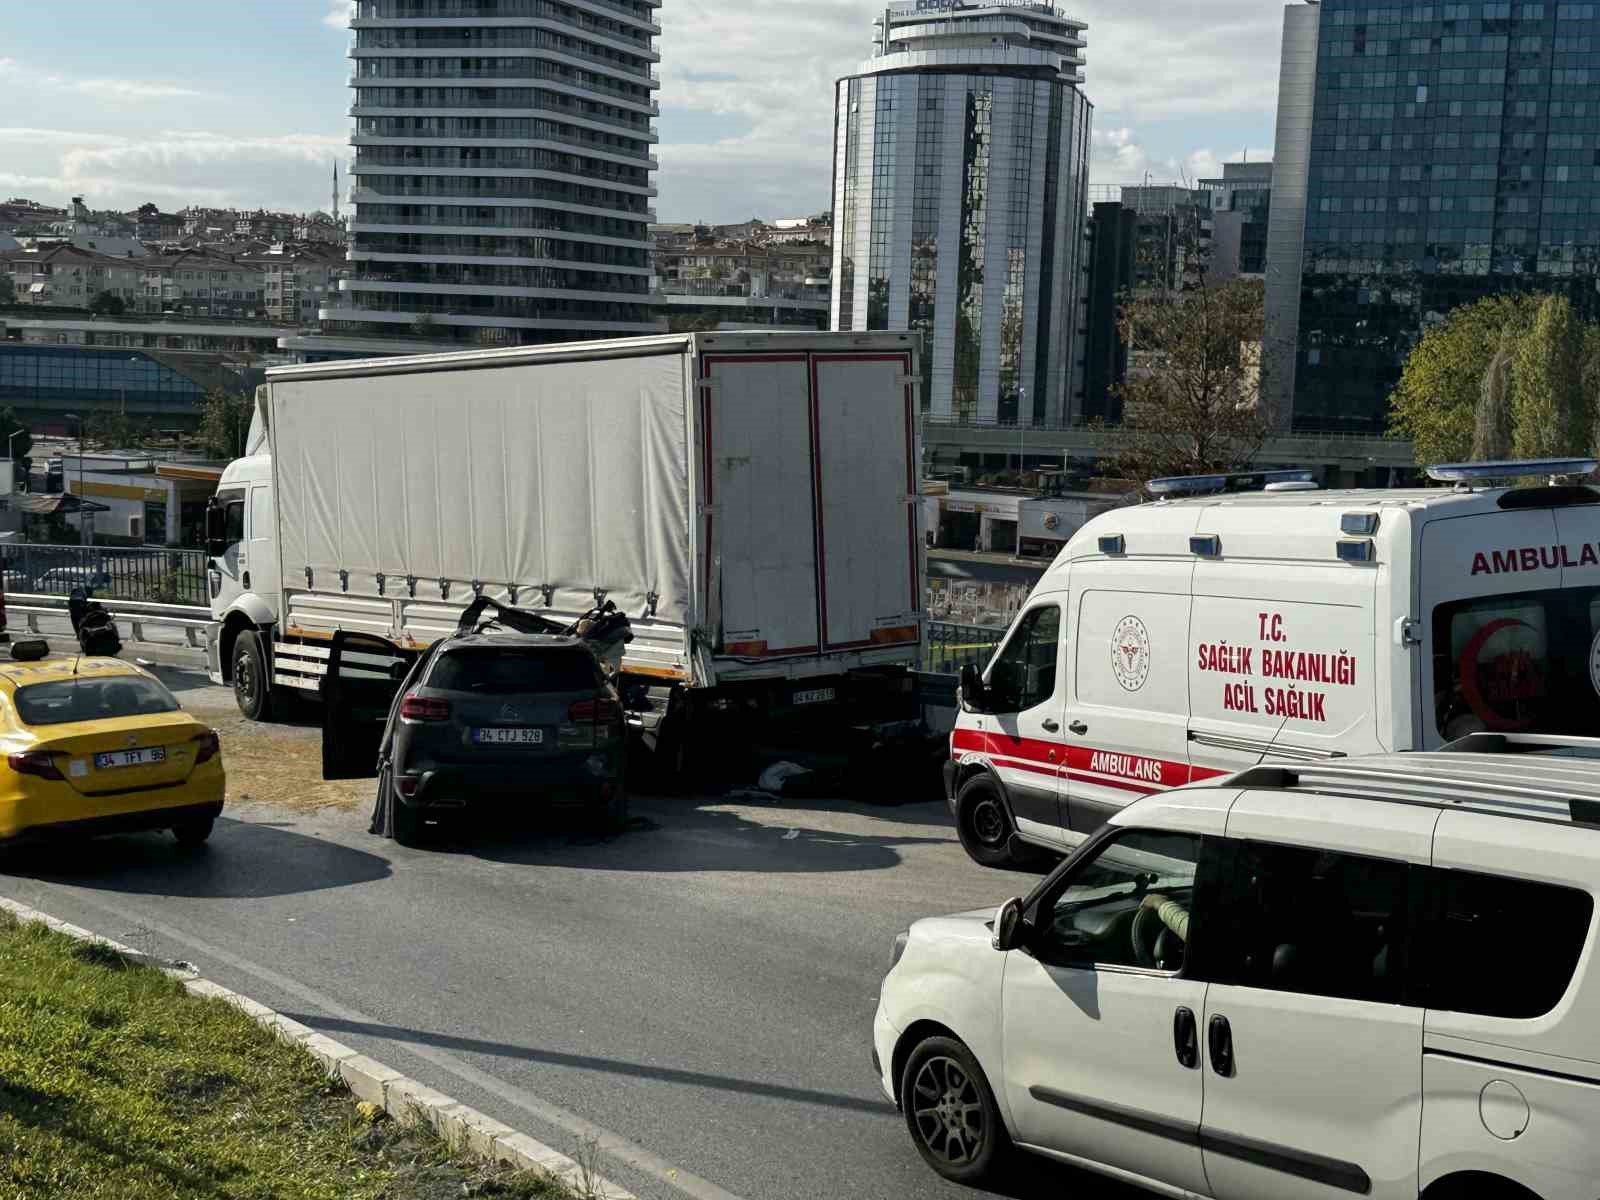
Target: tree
225	423
1551	414
1493	433
1435	403
1192	405
114	430
107	304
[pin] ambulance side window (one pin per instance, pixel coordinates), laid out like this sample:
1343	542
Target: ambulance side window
1024	675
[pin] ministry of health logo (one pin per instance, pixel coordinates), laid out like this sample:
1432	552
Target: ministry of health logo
1130	653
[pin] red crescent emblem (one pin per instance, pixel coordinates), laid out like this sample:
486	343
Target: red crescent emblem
1467	672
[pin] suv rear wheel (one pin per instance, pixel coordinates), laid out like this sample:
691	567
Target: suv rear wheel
951	1113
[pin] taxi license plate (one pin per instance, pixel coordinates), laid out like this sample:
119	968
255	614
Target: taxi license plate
130	758
508	737
815	696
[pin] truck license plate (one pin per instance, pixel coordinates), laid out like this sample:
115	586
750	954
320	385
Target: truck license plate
815	696
130	758
508	737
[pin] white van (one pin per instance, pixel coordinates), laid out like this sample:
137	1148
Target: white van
1180	640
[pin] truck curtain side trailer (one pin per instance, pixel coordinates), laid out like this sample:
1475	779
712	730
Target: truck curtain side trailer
747	499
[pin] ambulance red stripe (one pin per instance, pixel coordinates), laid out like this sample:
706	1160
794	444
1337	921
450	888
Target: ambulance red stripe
1073	762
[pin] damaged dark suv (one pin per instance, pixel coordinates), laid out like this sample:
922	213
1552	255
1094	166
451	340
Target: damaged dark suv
503	722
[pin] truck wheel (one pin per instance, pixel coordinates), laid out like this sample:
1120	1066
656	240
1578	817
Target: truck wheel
252	690
985	826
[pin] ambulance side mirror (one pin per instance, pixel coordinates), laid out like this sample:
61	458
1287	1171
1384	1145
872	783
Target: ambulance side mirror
973	696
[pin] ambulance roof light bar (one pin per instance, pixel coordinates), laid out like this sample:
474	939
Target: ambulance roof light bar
1206	485
1466	474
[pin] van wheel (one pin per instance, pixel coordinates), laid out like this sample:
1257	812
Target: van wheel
952	1115
984	825
252	690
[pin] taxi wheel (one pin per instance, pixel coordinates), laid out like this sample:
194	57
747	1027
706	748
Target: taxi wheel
192	835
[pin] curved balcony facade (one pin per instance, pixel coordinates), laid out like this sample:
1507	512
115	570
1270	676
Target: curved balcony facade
502	171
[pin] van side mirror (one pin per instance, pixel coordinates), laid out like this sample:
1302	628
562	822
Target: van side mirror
216	529
972	692
1007	925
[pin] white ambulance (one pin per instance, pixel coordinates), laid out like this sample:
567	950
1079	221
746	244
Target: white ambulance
1239	619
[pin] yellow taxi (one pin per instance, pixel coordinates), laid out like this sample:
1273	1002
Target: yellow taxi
97	745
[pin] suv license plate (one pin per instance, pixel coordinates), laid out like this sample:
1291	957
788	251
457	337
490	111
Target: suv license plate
815	696
508	737
130	758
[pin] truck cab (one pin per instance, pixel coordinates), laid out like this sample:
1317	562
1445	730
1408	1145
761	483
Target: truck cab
1176	641
243	583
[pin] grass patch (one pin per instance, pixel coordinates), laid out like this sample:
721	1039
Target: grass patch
114	1081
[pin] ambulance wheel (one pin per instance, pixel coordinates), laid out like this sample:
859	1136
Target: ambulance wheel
985	825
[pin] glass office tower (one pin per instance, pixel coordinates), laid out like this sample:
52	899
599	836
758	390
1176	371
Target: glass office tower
960	194
1428	154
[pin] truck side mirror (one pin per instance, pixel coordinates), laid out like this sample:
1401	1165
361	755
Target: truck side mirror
216	528
972	696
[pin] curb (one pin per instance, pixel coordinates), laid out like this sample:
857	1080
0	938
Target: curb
403	1098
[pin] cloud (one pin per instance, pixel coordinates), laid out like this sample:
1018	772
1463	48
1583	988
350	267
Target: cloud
766	70
125	89
339	14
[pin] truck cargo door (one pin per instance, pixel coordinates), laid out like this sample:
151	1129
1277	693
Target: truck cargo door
760	556
869	587
363	677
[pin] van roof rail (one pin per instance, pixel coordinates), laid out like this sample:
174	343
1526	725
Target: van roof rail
1517	743
1238	481
1556	789
1468	473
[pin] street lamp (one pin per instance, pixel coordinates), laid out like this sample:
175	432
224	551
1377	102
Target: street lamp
1022	433
85	518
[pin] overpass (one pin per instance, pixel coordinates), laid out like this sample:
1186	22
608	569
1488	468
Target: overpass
1350	454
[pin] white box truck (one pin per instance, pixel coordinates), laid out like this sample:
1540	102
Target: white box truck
747	499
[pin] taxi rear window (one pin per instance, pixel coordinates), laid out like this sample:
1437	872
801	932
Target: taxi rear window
92	698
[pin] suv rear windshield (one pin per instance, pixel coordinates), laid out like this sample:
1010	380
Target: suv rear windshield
1524	662
92	698
512	671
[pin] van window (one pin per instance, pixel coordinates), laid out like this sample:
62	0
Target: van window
1096	918
1024	673
1533	932
1310	921
1520	662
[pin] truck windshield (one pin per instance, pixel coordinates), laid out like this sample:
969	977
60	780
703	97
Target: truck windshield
1525	662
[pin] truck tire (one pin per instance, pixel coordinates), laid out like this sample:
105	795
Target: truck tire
252	688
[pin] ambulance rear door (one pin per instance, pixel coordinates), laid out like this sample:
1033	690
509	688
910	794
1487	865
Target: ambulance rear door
1510	615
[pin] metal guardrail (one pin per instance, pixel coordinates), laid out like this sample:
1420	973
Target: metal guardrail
952	646
191	619
159	574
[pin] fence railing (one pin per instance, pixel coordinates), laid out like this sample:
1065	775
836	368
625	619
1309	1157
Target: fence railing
156	574
951	647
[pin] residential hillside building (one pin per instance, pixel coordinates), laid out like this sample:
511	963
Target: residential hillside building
959	200
298	280
704	281
502	176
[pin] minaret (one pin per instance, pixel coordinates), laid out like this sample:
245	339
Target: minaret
336	191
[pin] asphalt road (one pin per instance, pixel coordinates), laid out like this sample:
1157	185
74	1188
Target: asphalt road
697	991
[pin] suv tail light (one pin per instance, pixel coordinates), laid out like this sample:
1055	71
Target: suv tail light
207	746
424	708
601	708
35	762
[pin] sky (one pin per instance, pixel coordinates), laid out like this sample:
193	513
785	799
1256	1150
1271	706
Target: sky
243	103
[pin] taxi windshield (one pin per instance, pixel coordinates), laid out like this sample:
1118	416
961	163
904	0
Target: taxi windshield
1523	662
92	698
